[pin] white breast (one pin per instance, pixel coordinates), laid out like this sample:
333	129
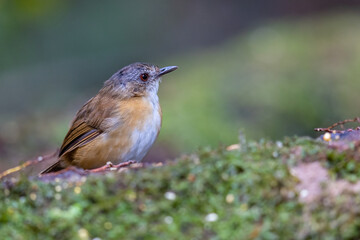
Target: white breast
144	138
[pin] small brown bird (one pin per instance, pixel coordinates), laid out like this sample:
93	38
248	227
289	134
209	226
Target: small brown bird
119	124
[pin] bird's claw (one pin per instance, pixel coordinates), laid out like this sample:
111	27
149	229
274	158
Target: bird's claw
121	165
110	166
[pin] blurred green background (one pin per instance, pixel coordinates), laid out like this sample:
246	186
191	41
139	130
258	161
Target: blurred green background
267	68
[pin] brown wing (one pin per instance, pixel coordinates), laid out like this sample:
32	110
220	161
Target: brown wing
81	131
86	126
78	136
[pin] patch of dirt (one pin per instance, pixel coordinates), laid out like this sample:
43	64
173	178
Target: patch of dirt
315	182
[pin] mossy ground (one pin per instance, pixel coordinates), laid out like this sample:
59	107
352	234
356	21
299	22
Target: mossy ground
246	193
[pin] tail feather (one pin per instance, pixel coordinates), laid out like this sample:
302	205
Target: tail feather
53	168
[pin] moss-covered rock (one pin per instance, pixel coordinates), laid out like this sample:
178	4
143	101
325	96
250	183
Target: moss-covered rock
247	191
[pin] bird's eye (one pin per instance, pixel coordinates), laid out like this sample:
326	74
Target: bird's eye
144	77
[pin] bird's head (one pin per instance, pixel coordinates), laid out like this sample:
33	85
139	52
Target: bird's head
137	79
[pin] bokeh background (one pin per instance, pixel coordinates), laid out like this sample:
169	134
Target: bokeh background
268	68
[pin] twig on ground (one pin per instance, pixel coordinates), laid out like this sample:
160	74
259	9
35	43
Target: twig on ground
26	164
342	123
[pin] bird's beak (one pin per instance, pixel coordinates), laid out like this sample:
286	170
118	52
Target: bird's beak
166	70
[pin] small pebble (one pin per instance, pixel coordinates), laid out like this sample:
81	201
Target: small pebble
168	220
230	198
83	234
233	147
170	196
304	193
58	188
77	190
33	196
211	217
327	137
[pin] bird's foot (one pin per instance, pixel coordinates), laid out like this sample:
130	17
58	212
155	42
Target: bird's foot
110	166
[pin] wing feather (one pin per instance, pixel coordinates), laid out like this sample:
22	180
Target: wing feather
88	122
85	127
78	136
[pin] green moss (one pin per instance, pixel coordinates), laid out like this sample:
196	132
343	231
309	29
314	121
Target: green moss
214	194
345	164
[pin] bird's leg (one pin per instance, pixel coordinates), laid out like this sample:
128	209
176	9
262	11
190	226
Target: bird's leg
110	166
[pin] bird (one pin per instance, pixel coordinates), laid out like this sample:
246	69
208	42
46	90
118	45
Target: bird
119	124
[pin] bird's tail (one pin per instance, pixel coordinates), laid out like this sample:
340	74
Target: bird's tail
53	168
